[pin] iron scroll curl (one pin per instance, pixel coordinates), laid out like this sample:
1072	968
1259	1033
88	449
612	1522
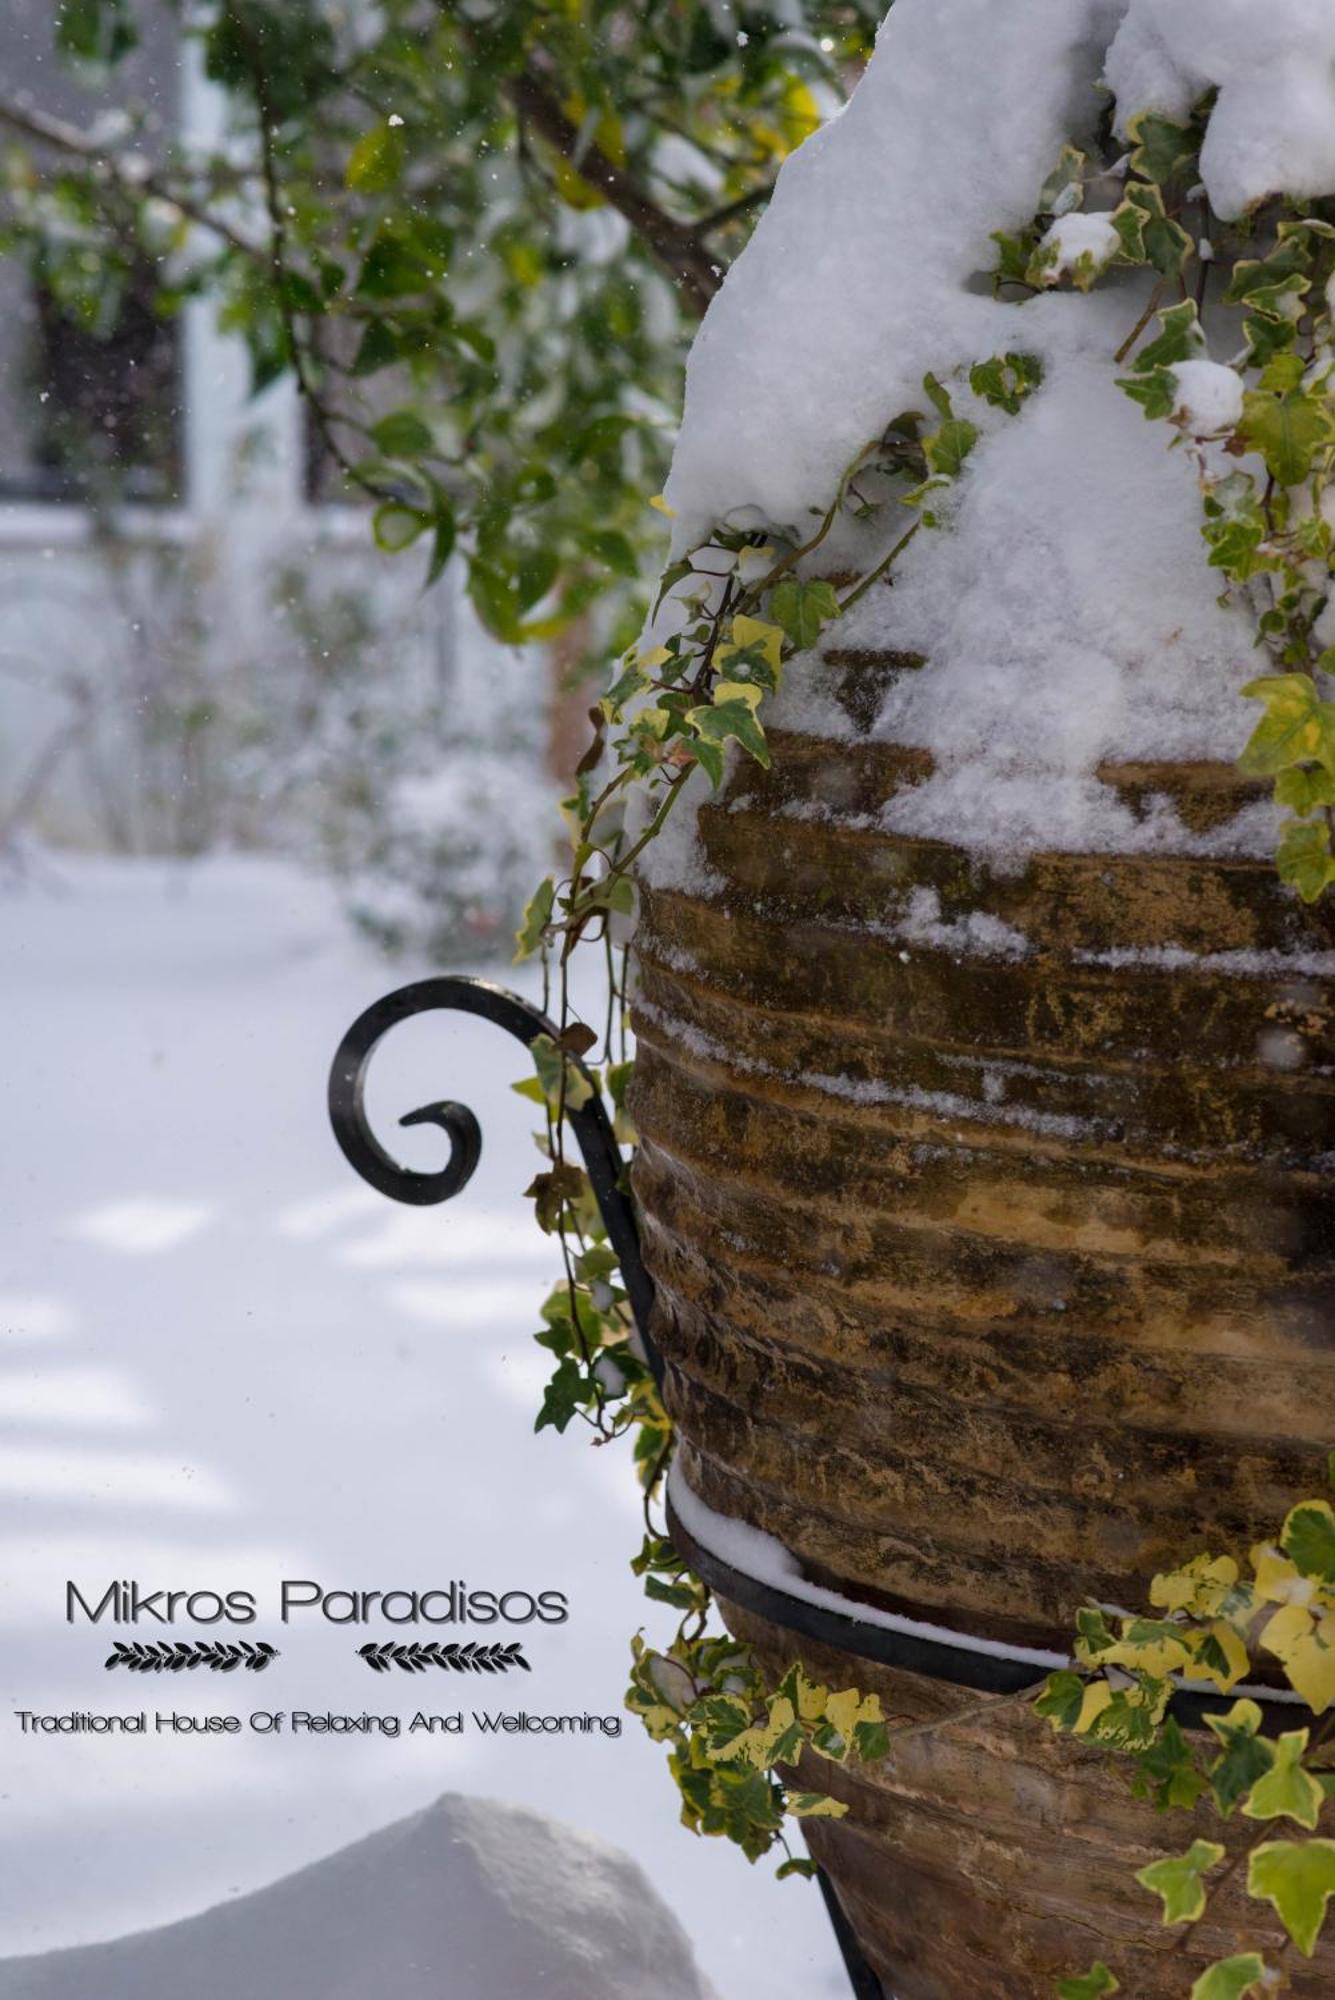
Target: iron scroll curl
456	993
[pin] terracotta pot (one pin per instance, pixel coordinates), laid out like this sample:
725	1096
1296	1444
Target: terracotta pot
988	1284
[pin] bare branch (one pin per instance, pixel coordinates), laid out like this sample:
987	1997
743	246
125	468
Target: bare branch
675	246
131	176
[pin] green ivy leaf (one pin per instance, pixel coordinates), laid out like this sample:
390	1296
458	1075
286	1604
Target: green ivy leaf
1180	1881
1156	392
537	916
1231	1979
1285	421
566	1393
815	1805
1246	1755
1179	339
1167	1772
1163	151
724	722
1148	233
1062	1699
1006	380
1309	1539
1292	732
1288	1790
1304	858
1091	1985
1298	1877
948	448
803	610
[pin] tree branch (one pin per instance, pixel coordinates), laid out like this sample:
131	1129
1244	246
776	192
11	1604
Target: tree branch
278	264
743	204
675	246
132	177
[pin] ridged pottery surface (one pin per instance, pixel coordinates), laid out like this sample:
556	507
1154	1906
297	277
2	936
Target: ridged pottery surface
988	1284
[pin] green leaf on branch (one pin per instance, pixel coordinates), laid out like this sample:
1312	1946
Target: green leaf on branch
396	527
803	610
1180	1881
1298	1877
95	31
375	164
402	435
1062	1699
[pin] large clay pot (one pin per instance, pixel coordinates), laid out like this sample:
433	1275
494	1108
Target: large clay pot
988	1284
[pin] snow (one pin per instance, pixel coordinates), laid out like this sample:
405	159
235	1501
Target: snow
264	1369
976	935
1079	244
764	1558
1069	617
1273	128
1065	607
1209	397
858	278
467	1898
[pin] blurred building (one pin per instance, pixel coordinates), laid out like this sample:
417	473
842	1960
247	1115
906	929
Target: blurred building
198	646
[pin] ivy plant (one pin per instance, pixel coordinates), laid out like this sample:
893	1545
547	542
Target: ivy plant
1215	1621
1259	422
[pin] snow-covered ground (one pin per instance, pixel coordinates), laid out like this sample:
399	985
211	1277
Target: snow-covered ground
224	1361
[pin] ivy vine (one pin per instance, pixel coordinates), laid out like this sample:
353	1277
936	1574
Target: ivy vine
1211	1622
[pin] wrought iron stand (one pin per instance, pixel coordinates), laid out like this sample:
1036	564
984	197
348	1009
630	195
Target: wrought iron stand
602	1159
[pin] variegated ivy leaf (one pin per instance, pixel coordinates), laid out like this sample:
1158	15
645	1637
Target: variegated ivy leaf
1298	1877
815	1805
1198	1587
1091	1985
1309	1539
1219	1655
1246	1754
1233	1979
1180	1881
1287	1791
1305	1643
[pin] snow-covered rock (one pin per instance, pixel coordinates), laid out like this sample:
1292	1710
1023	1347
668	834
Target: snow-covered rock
468	1900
